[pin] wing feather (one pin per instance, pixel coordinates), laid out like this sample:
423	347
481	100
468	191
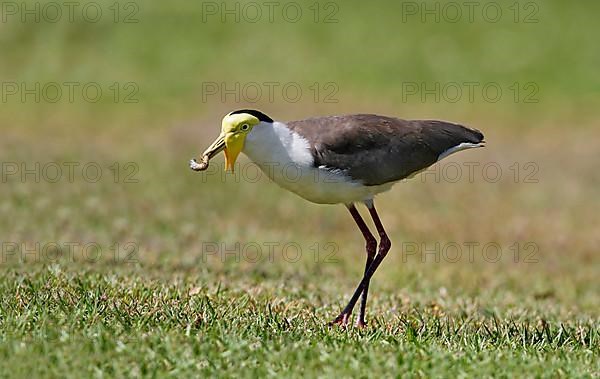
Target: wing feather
378	149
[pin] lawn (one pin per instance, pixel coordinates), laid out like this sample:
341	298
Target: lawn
118	261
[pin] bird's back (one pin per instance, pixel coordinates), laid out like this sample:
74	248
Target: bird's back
377	149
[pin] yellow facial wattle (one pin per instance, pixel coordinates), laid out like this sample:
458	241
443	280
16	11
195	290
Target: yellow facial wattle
234	144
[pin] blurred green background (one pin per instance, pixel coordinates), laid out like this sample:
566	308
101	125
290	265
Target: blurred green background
157	64
368	51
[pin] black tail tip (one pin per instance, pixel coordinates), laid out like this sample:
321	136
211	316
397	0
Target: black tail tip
478	135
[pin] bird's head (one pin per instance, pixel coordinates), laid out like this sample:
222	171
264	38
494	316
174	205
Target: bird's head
235	127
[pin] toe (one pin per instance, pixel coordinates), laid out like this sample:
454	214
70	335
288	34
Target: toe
341	320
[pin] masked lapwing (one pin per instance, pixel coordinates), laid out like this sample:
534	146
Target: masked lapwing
341	160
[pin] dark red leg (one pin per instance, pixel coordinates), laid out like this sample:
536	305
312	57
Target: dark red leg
371	247
384	246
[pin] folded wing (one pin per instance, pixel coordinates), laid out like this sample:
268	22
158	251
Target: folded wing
377	149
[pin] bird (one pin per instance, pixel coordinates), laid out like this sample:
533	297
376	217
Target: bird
346	159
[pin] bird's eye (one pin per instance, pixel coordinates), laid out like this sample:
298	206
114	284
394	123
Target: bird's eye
245	126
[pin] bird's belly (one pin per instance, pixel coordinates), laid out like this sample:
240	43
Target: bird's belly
320	185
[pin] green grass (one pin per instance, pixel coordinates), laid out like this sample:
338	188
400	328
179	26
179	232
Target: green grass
90	323
170	307
164	305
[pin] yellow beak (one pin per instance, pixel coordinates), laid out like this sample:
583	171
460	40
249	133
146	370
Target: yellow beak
231	143
215	148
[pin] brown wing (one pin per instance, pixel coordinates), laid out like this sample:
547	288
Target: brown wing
377	149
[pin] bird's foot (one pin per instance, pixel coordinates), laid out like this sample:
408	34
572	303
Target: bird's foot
361	323
342	320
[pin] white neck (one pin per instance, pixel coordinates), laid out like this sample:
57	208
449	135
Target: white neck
275	143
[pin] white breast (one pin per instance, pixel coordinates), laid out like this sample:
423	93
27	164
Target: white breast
285	157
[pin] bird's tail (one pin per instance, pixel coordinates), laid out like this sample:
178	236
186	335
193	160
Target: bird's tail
446	138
